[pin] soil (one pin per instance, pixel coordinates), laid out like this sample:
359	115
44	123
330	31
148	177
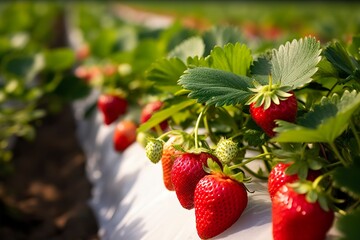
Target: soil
46	197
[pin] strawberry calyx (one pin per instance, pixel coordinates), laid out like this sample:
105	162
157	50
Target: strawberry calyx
265	95
214	168
116	92
314	192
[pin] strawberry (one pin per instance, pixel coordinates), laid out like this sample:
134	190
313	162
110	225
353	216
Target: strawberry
154	149
226	150
111	107
219	202
277	177
149	110
186	173
293	217
124	135
270	103
88	73
82	52
169	154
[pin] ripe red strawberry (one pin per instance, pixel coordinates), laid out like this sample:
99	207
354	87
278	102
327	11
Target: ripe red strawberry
286	110
111	107
149	110
186	173
124	135
270	103
169	155
219	202
277	177
296	219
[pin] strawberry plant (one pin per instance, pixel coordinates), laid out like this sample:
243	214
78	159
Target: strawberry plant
297	104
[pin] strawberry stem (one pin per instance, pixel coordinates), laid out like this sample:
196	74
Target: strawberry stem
336	151
242	164
353	129
259	176
196	129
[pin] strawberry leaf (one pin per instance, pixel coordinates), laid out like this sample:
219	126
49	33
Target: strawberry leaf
164	114
165	73
213	86
261	69
293	64
339	57
348	225
232	58
328	120
348	178
219	36
193	46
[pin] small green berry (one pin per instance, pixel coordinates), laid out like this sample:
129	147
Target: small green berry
226	150
154	149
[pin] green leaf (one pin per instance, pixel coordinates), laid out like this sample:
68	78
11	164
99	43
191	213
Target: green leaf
71	88
348	225
354	48
339	57
232	58
191	47
220	36
213	86
261	70
164	114
293	64
165	73
193	62
347	179
328	121
59	59
22	66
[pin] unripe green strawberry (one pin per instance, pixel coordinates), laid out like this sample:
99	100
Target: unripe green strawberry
154	149
226	150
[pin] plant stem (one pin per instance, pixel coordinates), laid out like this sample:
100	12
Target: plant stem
336	151
158	130
196	129
212	136
353	129
332	88
242	164
255	174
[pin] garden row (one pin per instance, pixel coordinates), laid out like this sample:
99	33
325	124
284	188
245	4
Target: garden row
198	101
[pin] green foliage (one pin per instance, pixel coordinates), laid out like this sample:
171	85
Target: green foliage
232	58
220	36
325	123
293	64
217	87
342	61
189	48
347	179
165	114
349	225
59	59
165	73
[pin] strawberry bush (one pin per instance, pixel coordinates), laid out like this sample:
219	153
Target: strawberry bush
206	102
237	102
